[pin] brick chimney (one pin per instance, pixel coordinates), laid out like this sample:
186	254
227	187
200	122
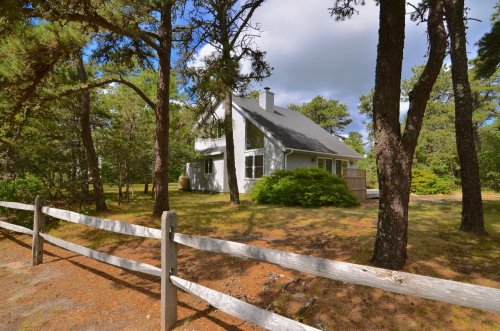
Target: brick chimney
266	100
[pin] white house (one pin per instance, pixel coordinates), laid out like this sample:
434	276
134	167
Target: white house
266	138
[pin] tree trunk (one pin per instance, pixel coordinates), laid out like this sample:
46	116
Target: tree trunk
393	178
234	196
395	151
84	178
162	113
127	182
92	160
472	204
146	184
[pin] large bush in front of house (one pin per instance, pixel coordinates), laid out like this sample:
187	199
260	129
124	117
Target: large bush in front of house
303	187
425	181
24	190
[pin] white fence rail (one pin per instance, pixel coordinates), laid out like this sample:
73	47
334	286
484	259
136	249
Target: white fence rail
103	257
103	224
238	308
17	205
15	228
463	294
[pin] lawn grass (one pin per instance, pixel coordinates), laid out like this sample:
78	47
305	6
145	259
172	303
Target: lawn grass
435	248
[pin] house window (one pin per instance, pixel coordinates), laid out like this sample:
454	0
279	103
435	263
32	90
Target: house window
325	164
254	137
209	165
213	130
339	165
254	166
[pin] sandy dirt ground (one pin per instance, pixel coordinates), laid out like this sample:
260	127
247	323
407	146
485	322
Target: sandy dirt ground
72	292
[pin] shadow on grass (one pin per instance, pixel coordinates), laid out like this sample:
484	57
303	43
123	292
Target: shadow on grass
436	248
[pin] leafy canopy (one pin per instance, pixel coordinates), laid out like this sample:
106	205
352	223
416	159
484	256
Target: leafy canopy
331	115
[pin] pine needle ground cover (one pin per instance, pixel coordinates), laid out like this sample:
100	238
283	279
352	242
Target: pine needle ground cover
436	248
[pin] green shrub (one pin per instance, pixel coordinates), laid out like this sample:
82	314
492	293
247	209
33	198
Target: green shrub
424	181
303	187
24	190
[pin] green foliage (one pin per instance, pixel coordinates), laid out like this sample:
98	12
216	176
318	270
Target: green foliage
489	156
370	165
331	115
24	190
424	181
436	148
488	53
303	187
355	141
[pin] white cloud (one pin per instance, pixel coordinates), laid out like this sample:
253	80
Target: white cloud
205	51
312	54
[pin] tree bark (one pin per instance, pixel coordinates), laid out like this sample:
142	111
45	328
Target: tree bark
146	184
394	152
234	196
162	112
84	175
92	160
472	204
127	182
390	244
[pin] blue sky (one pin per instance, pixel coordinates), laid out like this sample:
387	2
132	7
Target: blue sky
312	54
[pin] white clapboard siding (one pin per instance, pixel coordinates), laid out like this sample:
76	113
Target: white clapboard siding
17	205
468	295
240	309
14	227
103	224
103	257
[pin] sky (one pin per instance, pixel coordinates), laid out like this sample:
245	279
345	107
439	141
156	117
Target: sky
312	54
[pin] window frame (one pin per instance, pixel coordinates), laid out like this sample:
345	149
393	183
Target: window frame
325	159
250	124
208	168
253	167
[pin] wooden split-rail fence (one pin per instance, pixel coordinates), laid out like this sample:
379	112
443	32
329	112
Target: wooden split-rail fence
463	294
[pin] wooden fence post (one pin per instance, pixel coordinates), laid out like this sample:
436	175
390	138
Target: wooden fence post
168	268
38	225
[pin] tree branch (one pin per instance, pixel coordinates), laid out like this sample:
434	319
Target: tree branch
253	6
420	94
102	83
99	21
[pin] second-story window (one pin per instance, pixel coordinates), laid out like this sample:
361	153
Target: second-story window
254	137
209	165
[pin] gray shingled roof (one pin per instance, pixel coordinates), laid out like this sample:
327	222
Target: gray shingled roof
294	130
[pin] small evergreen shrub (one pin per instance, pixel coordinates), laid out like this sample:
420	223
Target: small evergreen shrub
424	181
24	190
303	187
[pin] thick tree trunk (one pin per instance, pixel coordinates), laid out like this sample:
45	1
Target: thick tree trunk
162	113
88	143
234	196
395	151
390	244
472	204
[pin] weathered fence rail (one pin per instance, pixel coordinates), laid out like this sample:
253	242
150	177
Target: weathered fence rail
103	224
400	282
103	257
17	205
467	295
